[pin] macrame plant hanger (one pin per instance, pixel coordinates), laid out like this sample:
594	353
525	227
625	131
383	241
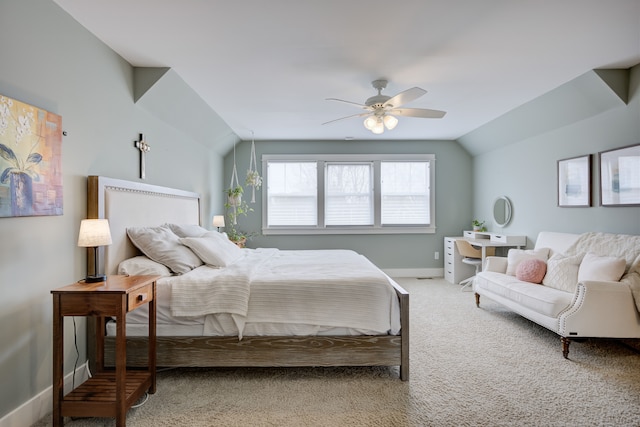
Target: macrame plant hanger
253	177
234	199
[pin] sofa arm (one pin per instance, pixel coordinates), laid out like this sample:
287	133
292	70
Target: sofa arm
601	309
496	264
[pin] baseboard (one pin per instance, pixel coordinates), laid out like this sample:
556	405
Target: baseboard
42	404
414	272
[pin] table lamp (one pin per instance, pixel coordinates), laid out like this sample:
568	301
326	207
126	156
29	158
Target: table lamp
218	221
94	233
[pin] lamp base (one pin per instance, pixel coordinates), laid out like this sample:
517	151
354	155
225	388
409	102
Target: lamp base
95	279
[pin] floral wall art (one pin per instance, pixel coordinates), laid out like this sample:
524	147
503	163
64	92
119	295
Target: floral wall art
30	160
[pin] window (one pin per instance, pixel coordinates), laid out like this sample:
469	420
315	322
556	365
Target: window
293	193
348	194
355	194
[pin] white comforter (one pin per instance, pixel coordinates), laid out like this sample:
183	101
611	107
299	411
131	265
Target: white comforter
333	288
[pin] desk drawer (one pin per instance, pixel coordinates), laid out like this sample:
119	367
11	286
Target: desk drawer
139	297
511	240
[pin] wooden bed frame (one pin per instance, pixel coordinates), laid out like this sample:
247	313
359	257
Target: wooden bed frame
128	204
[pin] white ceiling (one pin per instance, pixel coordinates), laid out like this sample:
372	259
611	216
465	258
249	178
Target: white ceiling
268	66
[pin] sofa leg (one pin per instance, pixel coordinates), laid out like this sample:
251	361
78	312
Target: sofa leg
477	299
565	346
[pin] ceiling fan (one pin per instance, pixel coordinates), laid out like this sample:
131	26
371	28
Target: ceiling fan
381	109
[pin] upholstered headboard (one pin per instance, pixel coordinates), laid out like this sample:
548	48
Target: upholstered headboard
134	204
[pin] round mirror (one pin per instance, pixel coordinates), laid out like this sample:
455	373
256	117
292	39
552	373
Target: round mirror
502	211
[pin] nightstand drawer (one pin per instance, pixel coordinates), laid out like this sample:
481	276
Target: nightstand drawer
139	297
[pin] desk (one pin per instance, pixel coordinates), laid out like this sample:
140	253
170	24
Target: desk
483	240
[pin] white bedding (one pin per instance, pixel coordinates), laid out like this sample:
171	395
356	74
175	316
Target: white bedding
274	292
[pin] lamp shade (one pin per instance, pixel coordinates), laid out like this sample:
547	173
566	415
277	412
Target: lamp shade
370	122
94	232
390	121
218	220
379	127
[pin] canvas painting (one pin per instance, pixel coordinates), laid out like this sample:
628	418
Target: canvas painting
30	160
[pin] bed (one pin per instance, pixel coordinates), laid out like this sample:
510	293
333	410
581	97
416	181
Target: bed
137	205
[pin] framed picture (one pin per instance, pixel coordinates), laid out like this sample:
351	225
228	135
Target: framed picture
30	160
620	176
574	182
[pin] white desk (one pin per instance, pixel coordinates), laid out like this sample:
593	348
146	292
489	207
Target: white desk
455	270
484	240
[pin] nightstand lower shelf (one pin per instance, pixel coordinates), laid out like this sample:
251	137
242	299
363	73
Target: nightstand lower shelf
96	397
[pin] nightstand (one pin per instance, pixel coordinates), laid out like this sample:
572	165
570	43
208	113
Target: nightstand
109	392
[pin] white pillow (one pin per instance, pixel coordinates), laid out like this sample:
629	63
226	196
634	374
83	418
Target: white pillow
516	256
562	272
141	265
162	245
214	249
601	268
186	230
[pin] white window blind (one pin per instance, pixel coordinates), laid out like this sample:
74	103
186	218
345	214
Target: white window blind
292	190
405	192
348	194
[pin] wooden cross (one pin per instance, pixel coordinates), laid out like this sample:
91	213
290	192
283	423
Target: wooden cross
141	145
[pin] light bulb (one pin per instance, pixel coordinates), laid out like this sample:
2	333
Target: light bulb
370	122
390	121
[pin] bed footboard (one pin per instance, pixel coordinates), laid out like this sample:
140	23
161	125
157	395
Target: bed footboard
368	350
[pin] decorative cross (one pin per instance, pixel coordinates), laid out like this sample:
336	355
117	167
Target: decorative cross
141	145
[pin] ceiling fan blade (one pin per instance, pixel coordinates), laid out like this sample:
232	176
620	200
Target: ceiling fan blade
347	117
405	97
348	102
418	112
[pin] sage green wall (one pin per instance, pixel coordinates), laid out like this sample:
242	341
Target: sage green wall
526	172
50	61
389	251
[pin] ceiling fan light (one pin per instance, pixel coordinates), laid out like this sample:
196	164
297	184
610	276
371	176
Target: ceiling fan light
390	121
370	122
378	128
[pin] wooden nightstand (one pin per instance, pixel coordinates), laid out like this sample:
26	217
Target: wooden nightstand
109	392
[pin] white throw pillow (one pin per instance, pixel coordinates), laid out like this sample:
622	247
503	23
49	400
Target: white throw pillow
601	268
516	256
562	272
162	245
186	230
141	265
214	249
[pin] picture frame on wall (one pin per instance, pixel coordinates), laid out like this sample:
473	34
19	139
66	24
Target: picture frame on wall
30	160
620	176
574	182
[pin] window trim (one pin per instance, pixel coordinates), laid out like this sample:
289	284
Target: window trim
377	228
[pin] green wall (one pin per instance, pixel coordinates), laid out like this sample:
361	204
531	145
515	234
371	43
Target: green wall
389	251
50	61
525	170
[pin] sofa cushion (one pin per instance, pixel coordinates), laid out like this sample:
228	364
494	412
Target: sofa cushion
516	256
531	270
542	299
603	268
562	272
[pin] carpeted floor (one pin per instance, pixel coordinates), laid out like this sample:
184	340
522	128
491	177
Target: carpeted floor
469	367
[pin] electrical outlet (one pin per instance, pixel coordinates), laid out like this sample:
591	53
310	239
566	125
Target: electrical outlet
436	255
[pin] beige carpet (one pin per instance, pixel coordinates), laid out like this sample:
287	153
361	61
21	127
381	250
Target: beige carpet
469	367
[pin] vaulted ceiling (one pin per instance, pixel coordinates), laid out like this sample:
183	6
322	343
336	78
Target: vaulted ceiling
267	67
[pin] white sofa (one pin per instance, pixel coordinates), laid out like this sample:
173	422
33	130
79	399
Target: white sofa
602	309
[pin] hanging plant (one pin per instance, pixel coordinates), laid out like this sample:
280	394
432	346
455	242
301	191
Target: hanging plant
234	196
254	180
235	205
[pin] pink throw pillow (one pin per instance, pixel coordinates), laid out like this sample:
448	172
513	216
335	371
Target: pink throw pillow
531	270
